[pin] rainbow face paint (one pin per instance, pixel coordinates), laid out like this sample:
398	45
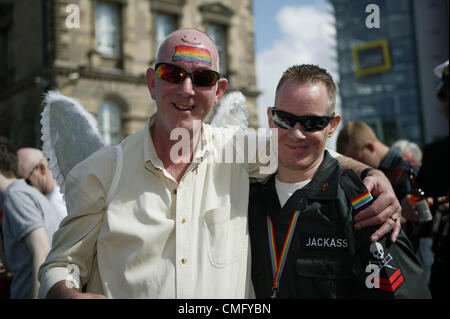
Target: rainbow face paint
324	140
192	54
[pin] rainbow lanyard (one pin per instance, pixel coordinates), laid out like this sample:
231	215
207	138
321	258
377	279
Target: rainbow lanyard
278	264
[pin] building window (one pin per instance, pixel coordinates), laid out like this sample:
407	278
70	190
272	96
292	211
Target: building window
218	33
109	122
164	25
4	58
6	45
166	15
107	28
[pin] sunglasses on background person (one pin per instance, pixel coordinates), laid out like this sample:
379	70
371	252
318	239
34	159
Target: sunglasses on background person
27	180
175	74
309	123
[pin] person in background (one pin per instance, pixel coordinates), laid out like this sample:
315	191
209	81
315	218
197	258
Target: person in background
358	141
410	151
433	179
33	168
5	272
28	224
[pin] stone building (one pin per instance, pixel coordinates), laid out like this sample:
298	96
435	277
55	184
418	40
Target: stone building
98	52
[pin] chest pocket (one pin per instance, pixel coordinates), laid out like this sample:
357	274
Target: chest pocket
323	264
225	236
325	277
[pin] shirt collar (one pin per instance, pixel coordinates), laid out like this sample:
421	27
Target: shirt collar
323	186
150	155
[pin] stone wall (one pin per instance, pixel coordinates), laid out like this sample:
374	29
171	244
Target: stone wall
76	68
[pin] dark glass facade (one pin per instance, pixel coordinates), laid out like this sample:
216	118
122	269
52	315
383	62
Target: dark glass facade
388	101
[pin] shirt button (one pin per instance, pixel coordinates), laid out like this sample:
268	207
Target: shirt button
183	220
184	261
174	192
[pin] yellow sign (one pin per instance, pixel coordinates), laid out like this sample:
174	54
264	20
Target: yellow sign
371	57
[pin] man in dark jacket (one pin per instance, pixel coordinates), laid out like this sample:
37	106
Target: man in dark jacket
301	221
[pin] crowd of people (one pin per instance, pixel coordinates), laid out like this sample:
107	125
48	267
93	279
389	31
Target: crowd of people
320	225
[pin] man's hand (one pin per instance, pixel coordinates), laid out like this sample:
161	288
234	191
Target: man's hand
61	291
385	209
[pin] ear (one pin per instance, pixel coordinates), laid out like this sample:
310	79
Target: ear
150	77
370	146
222	85
42	168
334	124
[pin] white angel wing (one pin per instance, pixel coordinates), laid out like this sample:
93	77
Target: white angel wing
231	111
69	134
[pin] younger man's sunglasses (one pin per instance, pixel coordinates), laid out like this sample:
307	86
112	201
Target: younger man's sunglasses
309	123
175	74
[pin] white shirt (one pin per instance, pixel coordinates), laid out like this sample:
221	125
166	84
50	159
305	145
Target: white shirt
285	190
157	238
55	198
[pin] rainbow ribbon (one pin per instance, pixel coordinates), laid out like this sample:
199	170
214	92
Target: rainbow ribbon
279	263
361	200
192	54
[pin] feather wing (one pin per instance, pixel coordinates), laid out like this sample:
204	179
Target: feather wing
231	111
69	134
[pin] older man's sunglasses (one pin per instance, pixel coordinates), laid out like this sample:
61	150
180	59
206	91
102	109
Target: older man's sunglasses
309	123
175	74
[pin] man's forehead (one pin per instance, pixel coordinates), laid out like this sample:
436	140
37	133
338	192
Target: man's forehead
190	46
192	38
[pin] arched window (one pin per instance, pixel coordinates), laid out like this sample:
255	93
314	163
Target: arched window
109	122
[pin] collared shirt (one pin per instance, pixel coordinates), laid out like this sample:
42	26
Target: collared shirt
157	238
396	169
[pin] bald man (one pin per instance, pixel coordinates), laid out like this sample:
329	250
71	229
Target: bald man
148	222
33	168
28	225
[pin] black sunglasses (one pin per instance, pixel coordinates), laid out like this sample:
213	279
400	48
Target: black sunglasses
27	180
175	74
309	123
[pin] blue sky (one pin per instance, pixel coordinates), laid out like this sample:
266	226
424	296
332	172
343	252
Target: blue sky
289	32
266	26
